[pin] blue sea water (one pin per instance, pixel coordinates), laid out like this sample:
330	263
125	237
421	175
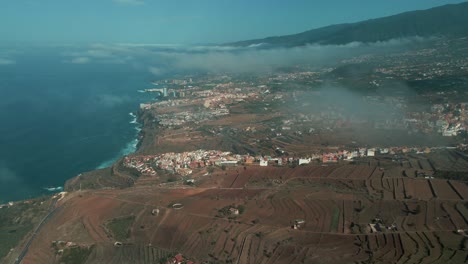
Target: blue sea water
59	119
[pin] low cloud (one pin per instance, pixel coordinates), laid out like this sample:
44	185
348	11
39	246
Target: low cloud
261	59
156	71
160	59
7	176
99	53
80	60
110	100
130	2
6	61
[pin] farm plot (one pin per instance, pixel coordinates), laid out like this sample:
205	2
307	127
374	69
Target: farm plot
241	180
362	172
413	247
228	180
322	186
130	253
399	192
414	163
448	161
342	172
322	216
377	173
394	172
418	188
352	172
456	216
265	176
461	188
425	164
232	194
443	190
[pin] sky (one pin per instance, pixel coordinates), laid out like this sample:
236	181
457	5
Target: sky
182	21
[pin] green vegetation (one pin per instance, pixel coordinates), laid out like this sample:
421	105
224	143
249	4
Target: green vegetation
17	221
120	227
241	209
171	179
76	255
10	236
335	219
226	211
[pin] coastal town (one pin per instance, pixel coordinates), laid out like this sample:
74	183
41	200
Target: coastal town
186	162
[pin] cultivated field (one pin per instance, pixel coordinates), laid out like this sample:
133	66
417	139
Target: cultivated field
331	207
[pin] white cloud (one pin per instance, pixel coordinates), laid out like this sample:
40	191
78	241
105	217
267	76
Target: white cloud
156	71
80	60
130	2
110	100
254	59
7	176
6	61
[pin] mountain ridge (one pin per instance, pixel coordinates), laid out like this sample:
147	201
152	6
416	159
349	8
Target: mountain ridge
447	20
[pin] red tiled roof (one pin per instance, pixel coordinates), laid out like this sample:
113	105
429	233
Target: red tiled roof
179	257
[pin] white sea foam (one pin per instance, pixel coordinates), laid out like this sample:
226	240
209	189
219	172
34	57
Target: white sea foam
54	189
130	147
134	120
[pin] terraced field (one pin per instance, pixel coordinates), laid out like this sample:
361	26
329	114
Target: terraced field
332	208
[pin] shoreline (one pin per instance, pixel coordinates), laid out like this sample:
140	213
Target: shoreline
135	144
129	147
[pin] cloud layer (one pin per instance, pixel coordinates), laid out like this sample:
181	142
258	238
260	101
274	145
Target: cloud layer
130	2
6	61
161	59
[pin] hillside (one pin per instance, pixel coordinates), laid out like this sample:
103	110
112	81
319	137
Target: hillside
447	20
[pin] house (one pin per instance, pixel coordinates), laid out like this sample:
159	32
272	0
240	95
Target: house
371	152
329	158
263	163
249	160
234	211
300	221
178	259
384	150
304	161
229	163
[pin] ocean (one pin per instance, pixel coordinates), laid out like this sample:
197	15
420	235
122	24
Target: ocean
59	119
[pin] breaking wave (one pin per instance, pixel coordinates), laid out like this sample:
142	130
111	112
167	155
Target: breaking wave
130	147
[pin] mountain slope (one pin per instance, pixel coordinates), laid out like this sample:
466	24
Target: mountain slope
447	20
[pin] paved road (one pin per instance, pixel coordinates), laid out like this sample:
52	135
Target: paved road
52	210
